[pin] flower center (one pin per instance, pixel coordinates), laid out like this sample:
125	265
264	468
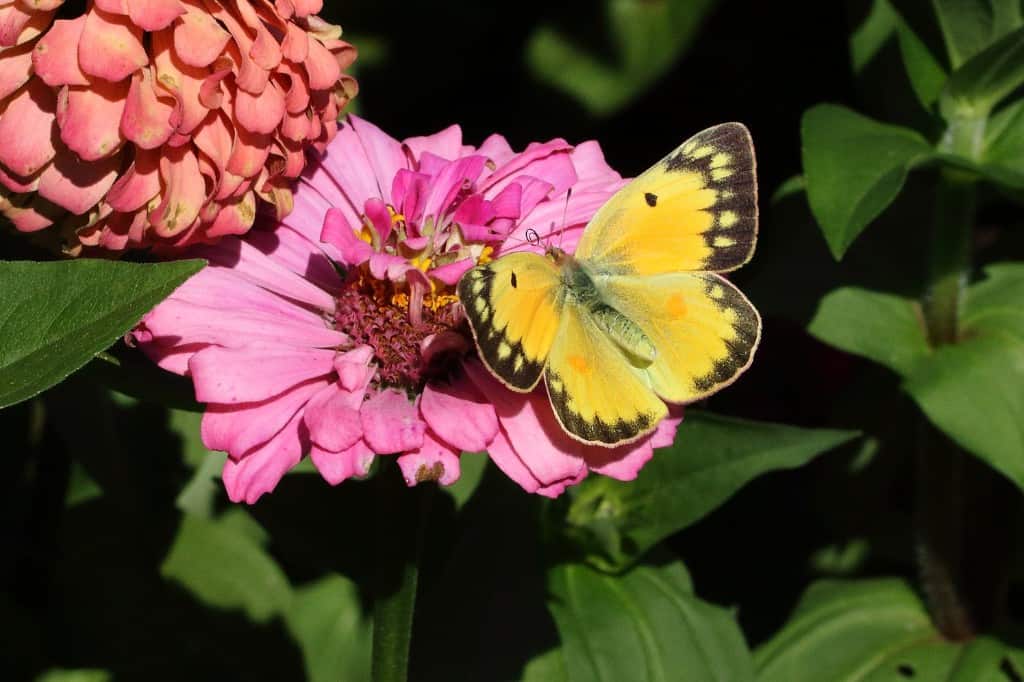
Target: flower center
378	313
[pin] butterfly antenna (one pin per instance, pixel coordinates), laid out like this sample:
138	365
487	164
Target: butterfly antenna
565	214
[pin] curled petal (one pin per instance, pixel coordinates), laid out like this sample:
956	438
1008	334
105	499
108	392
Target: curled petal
337	232
89	119
459	414
184	192
198	38
259	472
139	184
332	417
55	57
432	462
75	185
335	467
249	153
111	46
146	117
27	128
260	113
391	423
15	69
234	218
153	15
322	66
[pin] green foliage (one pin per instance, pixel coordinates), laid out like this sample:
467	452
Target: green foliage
126	561
644	38
54	317
875	630
712	458
854	167
644	625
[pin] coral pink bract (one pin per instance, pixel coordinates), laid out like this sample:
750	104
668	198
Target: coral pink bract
161	122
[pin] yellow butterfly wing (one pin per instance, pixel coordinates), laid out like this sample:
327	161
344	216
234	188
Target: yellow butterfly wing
513	309
597	395
694	210
704	329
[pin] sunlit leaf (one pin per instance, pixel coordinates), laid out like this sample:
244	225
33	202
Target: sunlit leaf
712	458
55	316
226	568
326	619
645	38
854	167
644	625
874	629
980	84
885	328
969	26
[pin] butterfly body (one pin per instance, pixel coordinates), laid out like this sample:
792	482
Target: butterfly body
637	316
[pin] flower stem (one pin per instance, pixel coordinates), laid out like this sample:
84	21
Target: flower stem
941	494
402	515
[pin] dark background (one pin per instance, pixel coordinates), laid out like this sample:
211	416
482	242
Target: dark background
84	589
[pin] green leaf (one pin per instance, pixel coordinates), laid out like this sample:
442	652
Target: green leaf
979	85
874	32
547	667
712	458
472	465
881	327
644	625
84	675
854	167
223	564
327	621
970	26
974	390
1004	145
646	36
55	316
925	71
874	629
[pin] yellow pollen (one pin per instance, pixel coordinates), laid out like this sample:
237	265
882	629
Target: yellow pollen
485	256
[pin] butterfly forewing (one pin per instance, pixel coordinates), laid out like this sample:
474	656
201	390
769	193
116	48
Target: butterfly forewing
513	309
694	210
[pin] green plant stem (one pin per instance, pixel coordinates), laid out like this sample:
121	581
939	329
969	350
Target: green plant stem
402	515
940	495
949	256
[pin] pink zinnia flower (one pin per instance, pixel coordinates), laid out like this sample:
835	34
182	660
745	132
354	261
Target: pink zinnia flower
293	357
161	122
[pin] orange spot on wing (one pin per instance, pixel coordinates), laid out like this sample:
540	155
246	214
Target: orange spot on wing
578	363
675	306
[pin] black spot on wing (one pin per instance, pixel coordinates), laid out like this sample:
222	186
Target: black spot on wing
513	279
651	199
597	431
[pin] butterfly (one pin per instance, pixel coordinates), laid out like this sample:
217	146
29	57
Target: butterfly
639	315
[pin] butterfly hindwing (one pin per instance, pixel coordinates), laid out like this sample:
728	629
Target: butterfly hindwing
694	210
597	395
705	331
513	309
